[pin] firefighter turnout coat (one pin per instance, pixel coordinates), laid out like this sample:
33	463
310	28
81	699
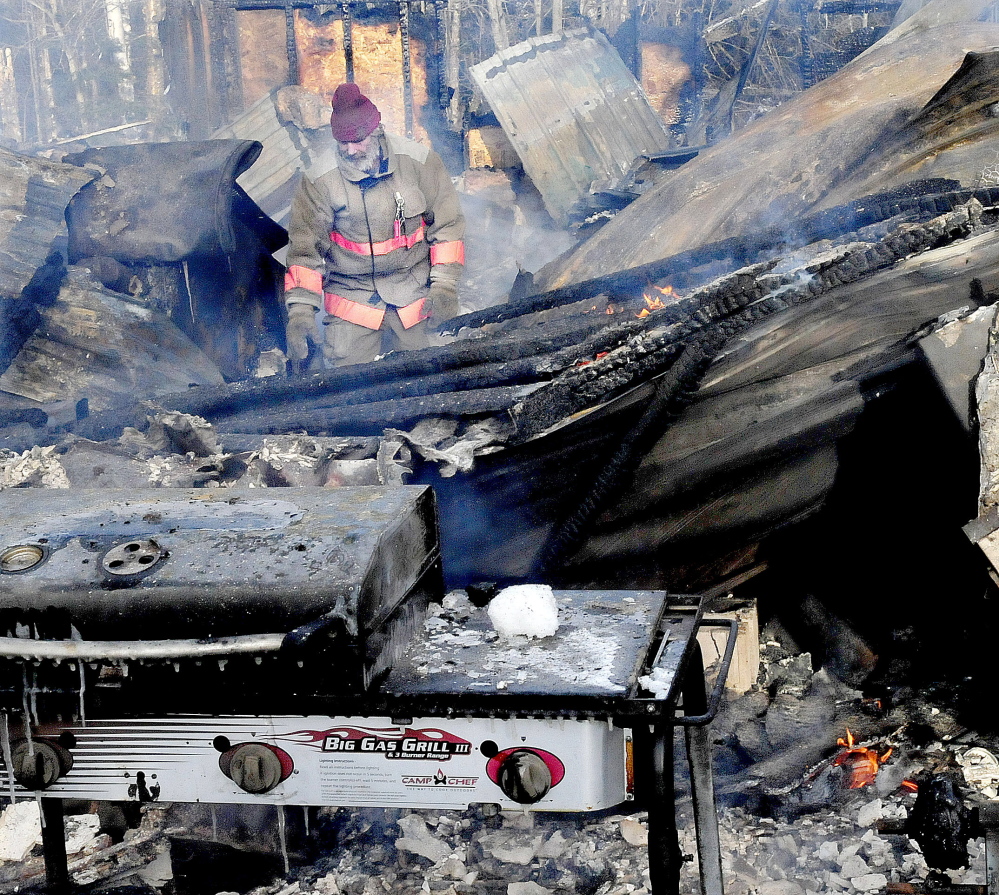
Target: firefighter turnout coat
358	242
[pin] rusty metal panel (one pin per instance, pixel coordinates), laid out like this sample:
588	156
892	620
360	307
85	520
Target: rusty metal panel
573	111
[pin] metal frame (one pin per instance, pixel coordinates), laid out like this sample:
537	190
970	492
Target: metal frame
653	722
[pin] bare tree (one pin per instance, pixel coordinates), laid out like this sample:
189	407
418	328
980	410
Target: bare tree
77	59
498	20
10	119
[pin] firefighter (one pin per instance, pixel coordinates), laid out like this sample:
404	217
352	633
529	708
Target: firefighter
374	240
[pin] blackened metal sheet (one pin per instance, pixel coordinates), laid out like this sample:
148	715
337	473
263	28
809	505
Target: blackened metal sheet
212	563
599	649
179	200
573	111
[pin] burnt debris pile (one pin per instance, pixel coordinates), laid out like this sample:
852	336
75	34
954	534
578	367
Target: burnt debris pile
596	421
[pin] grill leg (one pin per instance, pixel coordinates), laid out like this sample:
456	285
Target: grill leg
54	845
702	786
654	751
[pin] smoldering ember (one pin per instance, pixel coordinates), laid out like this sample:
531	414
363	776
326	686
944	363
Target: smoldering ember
711	444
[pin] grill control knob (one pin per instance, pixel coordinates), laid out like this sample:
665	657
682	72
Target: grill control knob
524	777
38	764
256	767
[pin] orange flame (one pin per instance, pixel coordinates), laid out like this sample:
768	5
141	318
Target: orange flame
848	741
654	302
861	763
597	356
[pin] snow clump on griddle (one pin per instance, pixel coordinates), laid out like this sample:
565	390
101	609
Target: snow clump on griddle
527	610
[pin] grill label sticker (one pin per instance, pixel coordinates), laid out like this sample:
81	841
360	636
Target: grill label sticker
393	742
439	779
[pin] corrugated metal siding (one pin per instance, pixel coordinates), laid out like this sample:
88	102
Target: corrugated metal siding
271	178
573	111
34	194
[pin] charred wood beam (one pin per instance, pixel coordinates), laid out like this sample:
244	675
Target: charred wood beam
519	372
346	19
750	62
373	419
290	43
407	67
684	269
677	385
730	305
672	393
458	358
639	349
440	44
535	367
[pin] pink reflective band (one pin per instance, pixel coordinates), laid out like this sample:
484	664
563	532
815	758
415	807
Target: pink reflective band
353	312
412	313
379	248
297	276
448	252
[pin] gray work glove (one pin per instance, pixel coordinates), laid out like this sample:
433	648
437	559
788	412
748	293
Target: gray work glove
441	304
301	330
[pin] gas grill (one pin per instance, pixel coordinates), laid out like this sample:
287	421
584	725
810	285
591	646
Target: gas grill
276	648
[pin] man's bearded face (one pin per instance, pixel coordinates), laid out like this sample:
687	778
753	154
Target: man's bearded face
365	154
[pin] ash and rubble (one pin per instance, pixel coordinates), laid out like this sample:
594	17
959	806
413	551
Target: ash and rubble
789	822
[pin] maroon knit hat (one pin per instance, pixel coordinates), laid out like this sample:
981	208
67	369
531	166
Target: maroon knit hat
354	115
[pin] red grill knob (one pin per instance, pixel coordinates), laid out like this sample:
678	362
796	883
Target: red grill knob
255	767
524	776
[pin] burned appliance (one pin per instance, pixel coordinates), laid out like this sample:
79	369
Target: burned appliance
294	663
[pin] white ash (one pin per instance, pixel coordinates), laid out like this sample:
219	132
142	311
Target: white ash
36	468
608	855
576	656
658	683
20	830
465	852
524	610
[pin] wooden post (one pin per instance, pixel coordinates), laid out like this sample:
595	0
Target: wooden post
407	67
452	62
116	12
290	43
41	84
348	40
